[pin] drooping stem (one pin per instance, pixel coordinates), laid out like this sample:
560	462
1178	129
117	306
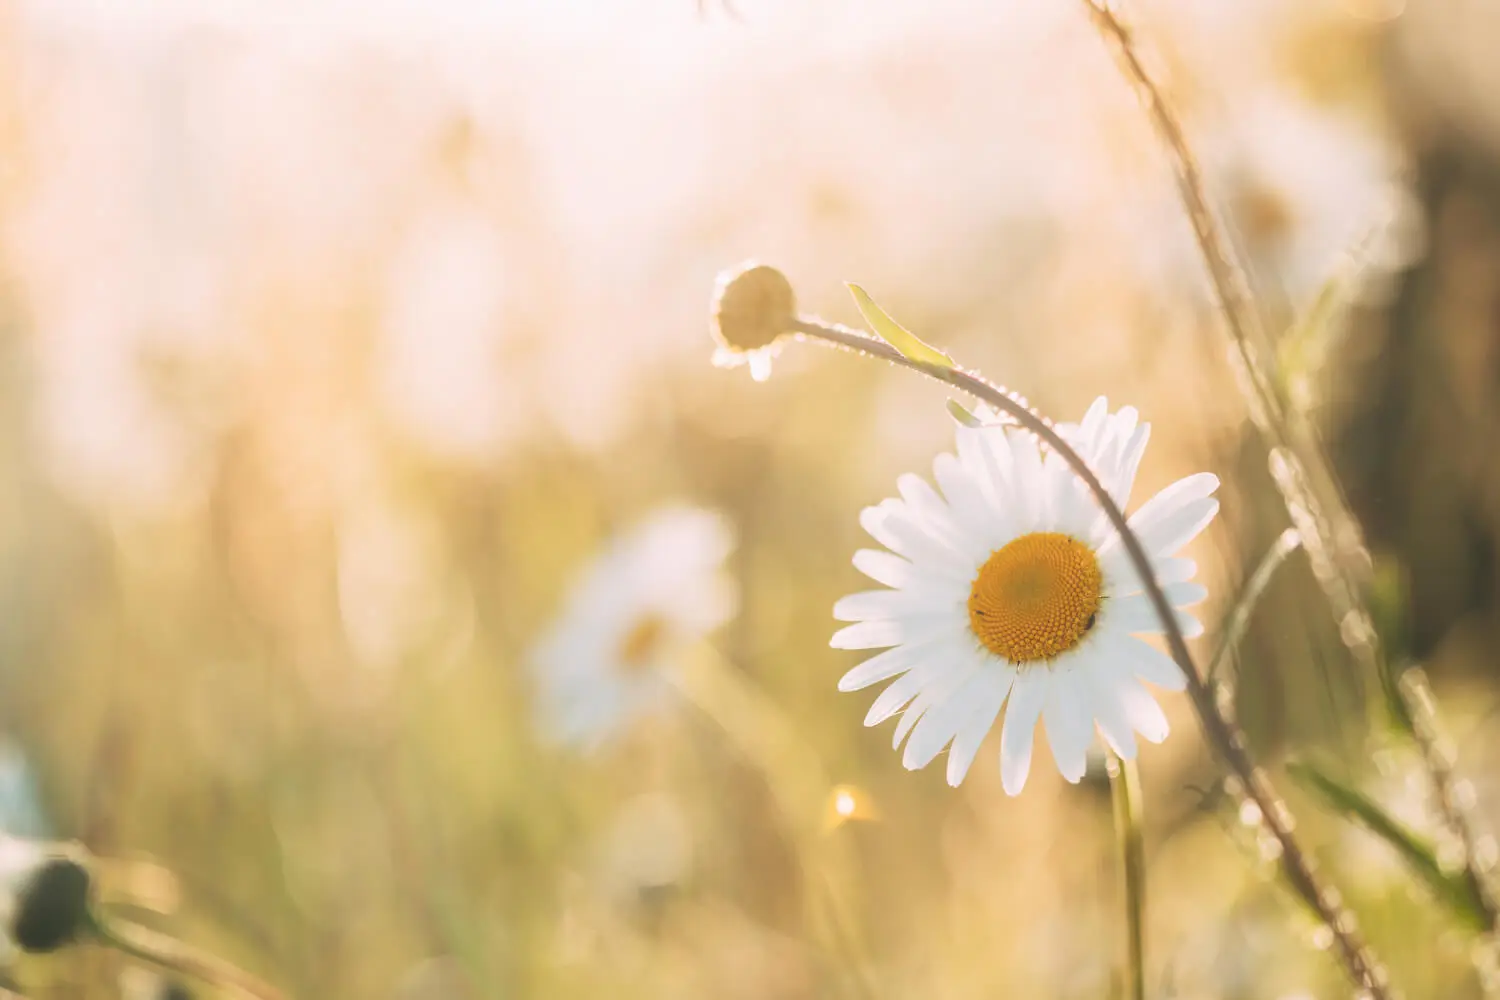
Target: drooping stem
1299	465
1224	735
1125	792
172	955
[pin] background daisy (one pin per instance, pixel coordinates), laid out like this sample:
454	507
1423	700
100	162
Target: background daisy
646	597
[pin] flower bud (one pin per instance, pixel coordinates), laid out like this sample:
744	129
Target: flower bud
753	307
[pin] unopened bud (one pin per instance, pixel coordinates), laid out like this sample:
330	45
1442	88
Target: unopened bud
753	307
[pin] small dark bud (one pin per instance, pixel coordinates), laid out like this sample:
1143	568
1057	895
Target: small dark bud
173	990
754	305
52	906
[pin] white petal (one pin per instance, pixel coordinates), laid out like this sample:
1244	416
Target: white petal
1028	495
883	567
892	524
1184	594
902	690
1174	516
944	720
1185	490
885	665
1174	531
972	512
1094	420
879	633
1130	462
1124	580
1071	508
942	657
986	456
1069	727
867	635
1018	735
1145	715
938	692
1191	627
981	718
876	605
928	509
1103	688
1174	569
874	521
1134	658
1135	614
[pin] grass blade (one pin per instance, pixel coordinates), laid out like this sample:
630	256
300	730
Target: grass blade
1238	620
1450	889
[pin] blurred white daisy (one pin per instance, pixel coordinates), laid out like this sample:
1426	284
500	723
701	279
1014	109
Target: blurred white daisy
1010	588
647	597
1304	187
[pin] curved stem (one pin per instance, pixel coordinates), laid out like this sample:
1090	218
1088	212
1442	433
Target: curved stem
1223	734
1125	791
168	953
1321	511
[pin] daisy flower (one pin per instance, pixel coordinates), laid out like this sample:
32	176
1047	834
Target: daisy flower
650	594
1010	589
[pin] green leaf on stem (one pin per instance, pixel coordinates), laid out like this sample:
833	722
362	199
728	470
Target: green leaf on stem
963	414
909	344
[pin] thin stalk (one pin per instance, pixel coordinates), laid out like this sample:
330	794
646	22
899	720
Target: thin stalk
1233	629
168	953
1223	733
1125	792
1322	516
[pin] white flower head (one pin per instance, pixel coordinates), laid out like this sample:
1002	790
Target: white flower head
647	597
1011	589
1307	186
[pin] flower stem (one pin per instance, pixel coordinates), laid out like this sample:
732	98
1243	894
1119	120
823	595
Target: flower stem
1223	733
1125	792
1322	516
168	953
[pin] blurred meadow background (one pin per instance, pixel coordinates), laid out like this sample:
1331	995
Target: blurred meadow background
339	340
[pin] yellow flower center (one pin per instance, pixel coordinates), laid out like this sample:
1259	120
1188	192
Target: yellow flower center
1036	597
642	642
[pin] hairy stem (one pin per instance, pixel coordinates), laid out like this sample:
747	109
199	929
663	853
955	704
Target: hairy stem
1125	792
1223	734
1322	516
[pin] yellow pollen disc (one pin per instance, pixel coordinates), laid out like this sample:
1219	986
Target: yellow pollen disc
642	642
1036	597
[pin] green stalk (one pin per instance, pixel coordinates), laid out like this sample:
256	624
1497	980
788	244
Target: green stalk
1125	792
